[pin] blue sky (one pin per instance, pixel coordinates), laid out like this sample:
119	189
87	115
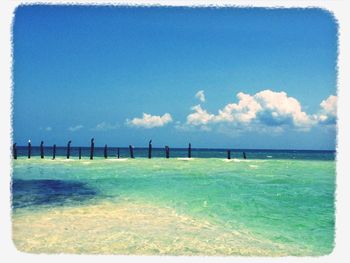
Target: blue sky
235	78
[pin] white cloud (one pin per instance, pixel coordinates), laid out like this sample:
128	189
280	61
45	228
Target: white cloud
75	128
200	116
149	121
243	111
330	105
278	108
200	95
265	111
104	126
328	113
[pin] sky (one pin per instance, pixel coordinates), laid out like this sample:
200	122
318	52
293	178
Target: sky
247	78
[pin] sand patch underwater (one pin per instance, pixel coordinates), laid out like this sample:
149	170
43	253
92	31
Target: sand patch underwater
131	228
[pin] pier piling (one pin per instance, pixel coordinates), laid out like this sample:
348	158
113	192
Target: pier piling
42	150
79	153
189	150
167	152
118	155
29	149
92	145
244	155
150	149
229	154
14	151
54	152
131	148
105	151
68	149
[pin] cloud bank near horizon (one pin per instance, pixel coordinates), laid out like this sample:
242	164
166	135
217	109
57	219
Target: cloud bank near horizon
265	111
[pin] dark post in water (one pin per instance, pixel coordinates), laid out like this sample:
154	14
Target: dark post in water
42	149
79	153
54	152
244	155
29	149
229	154
131	151
118	155
150	149
14	151
68	149
167	152
189	150
105	151
92	149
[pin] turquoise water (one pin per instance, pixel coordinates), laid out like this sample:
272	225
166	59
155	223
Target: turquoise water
282	205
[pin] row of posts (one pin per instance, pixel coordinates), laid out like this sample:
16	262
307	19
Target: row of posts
92	148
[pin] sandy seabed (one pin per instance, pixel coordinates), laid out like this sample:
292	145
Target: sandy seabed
131	228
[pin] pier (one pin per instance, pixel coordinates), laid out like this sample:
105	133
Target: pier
103	151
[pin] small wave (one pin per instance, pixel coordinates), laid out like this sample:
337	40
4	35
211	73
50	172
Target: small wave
65	160
185	159
118	160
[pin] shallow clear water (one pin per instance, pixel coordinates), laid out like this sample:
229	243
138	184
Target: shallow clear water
175	206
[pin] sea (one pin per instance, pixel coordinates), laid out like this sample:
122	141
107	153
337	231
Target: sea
273	203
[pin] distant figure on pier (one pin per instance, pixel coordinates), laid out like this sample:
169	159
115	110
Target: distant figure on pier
29	149
92	149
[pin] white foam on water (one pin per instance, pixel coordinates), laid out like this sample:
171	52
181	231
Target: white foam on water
65	160
118	160
185	159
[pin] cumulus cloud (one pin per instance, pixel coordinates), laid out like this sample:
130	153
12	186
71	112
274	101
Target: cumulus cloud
328	113
200	95
278	108
199	116
149	121
104	126
266	111
75	128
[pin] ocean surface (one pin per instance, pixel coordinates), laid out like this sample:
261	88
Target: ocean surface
274	203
